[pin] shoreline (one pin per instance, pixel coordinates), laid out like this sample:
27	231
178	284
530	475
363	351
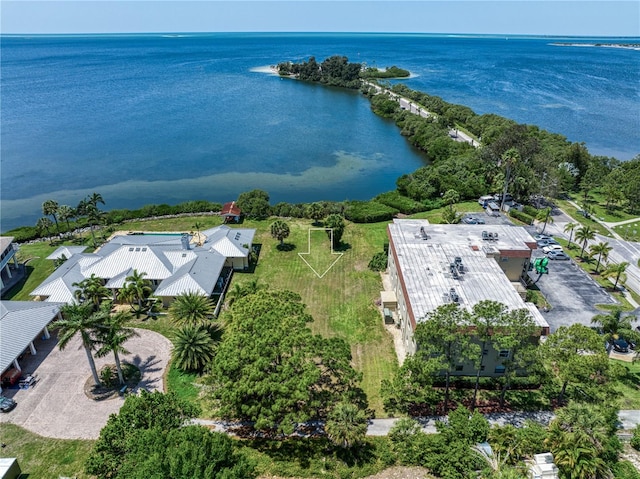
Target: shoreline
624	46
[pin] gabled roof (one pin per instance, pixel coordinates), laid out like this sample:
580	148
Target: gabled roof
20	323
129	257
59	285
66	251
167	258
229	242
230	209
198	275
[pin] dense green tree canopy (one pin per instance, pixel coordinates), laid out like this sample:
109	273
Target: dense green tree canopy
272	371
161	413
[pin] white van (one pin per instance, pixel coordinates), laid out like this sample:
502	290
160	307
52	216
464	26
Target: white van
483	200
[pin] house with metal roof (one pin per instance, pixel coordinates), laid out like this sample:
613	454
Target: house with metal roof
21	322
431	265
10	270
174	263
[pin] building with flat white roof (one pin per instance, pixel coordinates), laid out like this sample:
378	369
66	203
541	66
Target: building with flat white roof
431	265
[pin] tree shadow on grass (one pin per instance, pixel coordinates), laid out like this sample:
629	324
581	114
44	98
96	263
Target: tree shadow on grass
342	247
286	247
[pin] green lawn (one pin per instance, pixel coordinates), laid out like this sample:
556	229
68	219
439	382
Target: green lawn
629	231
629	385
342	300
598	203
573	212
42	457
37	269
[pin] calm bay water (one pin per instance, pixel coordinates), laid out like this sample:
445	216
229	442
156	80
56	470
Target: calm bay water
168	118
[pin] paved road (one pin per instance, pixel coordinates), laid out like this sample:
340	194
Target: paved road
629	419
416	109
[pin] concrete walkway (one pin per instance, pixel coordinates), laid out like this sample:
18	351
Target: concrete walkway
57	405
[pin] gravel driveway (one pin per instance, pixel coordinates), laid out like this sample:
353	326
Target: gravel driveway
57	405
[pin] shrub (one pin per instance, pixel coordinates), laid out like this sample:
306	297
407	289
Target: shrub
519	215
403	204
23	233
530	210
635	439
368	212
378	262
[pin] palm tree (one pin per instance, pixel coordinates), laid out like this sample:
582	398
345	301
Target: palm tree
577	437
568	228
50	208
280	230
315	211
617	270
601	249
44	224
91	289
94	217
613	324
191	309
136	289
111	333
78	319
65	213
545	215
95	198
193	348
197	225
583	235
346	425
336	223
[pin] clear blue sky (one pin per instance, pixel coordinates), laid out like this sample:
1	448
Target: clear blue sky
546	17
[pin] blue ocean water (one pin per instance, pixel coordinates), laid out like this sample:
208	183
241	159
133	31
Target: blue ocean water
167	118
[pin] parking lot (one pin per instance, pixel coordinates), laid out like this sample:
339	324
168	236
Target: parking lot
571	292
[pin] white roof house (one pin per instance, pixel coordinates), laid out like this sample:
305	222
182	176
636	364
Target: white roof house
170	261
20	323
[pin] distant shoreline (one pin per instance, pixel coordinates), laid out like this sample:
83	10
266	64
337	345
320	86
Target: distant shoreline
626	46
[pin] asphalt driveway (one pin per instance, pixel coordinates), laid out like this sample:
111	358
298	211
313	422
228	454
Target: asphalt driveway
57	405
571	292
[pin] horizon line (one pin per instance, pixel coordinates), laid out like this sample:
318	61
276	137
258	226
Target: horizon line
452	34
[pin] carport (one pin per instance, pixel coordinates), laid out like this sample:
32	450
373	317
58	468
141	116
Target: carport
21	322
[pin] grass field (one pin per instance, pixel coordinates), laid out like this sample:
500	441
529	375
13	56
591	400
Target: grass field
340	293
43	457
598	203
573	212
629	231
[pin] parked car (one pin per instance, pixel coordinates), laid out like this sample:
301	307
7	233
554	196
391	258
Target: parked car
472	220
551	247
559	255
620	345
546	242
541	237
7	404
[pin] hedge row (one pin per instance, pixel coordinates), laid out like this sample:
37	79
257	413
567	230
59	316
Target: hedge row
368	212
525	218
